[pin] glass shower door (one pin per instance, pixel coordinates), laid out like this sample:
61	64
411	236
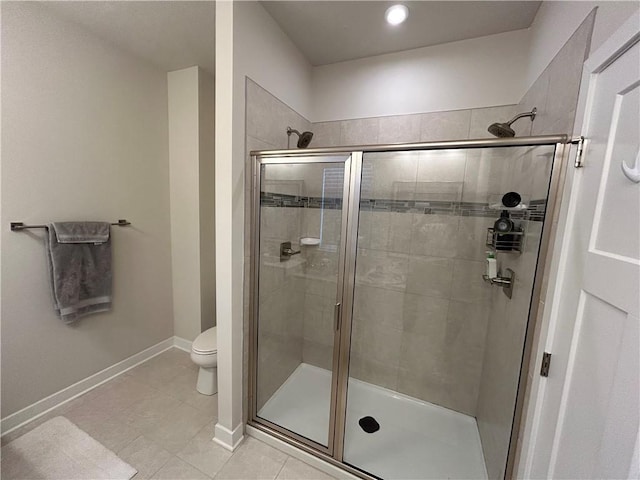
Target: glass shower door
299	282
380	335
435	350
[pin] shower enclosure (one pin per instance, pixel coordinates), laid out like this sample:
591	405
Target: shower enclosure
379	339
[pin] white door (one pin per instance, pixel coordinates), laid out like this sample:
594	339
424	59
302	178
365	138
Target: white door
586	421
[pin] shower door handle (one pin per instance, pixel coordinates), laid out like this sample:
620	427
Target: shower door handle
337	308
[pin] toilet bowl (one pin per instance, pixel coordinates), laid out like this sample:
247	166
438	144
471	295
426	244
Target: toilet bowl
204	353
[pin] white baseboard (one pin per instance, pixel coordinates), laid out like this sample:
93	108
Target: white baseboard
39	408
227	439
182	344
300	454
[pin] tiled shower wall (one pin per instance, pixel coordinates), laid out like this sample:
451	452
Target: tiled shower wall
421	307
267	119
398	342
281	303
310	278
423	127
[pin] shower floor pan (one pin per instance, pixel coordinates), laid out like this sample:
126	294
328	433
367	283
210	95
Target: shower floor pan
416	439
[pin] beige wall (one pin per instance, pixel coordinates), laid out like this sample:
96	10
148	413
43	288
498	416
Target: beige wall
192	188
473	73
555	94
84	137
184	160
206	177
556	22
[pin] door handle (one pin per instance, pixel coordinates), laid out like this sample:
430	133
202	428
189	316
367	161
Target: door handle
337	308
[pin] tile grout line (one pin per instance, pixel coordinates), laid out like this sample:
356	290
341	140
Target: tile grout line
223	464
155	389
142	432
124	446
194	466
176	455
282	467
161	466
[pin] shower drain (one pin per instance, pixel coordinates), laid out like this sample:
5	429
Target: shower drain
369	424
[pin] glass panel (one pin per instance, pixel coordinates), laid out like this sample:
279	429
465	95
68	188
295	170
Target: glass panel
300	203
435	349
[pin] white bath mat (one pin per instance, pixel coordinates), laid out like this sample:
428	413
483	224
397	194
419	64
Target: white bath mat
58	449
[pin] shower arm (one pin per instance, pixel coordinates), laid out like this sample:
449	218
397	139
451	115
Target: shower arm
289	132
531	114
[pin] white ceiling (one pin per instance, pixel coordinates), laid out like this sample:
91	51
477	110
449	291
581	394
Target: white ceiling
170	34
179	34
335	31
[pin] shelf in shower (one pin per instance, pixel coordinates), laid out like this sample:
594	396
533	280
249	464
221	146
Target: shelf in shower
509	242
499	206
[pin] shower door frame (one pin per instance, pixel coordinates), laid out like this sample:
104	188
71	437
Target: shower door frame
254	300
346	280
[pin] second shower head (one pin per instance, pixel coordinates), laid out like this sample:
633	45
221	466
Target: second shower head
304	138
504	130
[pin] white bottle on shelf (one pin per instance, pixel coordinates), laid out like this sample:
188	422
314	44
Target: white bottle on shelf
492	265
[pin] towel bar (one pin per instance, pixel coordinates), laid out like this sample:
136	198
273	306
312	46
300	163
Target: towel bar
17	226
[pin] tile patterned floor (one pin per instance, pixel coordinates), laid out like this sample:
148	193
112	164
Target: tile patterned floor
155	420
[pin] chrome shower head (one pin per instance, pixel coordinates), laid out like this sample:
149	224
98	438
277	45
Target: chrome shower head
304	138
504	130
501	130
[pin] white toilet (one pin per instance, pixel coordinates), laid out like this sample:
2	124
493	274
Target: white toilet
204	353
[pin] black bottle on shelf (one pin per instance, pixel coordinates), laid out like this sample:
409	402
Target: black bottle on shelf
501	228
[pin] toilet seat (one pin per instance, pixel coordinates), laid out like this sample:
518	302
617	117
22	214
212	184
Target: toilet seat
206	343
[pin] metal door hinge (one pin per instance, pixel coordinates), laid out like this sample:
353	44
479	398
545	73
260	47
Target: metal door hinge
579	141
546	363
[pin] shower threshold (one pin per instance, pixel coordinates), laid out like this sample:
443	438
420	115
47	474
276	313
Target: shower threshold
416	439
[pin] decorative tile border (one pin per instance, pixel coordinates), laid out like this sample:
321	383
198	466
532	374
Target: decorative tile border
535	211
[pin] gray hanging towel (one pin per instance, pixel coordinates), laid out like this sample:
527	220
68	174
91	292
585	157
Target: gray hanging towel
79	258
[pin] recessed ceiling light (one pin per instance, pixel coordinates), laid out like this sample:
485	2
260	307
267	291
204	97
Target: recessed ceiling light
396	14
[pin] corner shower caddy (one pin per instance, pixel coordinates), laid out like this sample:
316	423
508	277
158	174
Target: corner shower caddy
510	242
